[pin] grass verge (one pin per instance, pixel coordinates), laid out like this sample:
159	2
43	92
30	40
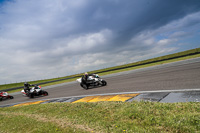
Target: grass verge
102	117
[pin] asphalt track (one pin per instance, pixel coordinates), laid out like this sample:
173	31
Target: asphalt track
173	76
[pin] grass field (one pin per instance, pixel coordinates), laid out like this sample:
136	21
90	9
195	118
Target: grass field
105	117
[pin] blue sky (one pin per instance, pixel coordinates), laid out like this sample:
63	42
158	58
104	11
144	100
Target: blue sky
53	38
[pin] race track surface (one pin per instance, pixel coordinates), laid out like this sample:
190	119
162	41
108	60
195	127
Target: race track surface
173	76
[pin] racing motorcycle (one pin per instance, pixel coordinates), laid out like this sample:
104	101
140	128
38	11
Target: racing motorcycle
5	95
34	91
93	81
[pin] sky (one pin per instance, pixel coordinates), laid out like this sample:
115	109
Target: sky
42	39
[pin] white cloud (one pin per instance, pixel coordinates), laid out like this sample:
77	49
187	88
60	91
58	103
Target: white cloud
89	41
166	41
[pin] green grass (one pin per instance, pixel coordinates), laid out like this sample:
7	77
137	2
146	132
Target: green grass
7	86
103	117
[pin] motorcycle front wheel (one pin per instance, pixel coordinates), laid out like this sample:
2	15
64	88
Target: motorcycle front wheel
45	93
104	83
84	86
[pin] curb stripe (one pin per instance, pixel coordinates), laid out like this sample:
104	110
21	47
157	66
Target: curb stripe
85	99
122	98
101	98
29	103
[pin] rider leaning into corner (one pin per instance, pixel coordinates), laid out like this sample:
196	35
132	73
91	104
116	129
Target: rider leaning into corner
85	77
26	87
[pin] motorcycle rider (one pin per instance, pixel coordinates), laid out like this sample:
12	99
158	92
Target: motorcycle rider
84	78
26	87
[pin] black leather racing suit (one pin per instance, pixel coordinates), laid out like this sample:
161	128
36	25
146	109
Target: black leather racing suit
84	79
27	87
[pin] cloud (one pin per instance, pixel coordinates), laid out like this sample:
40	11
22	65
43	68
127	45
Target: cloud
49	38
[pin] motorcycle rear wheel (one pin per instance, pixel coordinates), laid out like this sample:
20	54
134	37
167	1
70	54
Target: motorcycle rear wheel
31	95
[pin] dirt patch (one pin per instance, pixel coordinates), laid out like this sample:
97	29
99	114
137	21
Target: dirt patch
63	123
